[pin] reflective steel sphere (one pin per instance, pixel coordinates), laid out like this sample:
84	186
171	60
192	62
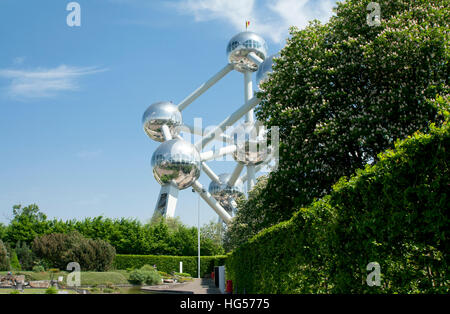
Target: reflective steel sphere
241	45
223	189
157	115
177	162
264	69
251	142
225	194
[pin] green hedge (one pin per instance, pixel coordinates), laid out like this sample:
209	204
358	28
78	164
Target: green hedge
395	212
170	264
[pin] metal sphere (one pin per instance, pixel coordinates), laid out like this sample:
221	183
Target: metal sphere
251	142
157	115
223	190
264	69
177	162
241	45
224	193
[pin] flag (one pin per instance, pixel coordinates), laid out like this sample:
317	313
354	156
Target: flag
247	24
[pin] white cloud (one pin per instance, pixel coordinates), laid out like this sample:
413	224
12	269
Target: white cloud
43	82
270	18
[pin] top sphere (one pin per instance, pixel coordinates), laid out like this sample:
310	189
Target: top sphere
157	115
264	69
241	45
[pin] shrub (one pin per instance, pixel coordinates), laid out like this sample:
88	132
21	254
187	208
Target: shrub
147	268
38	269
395	213
170	264
15	292
61	249
4	259
182	274
51	290
15	264
25	255
149	277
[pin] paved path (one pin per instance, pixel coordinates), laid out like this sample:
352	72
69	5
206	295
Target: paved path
197	286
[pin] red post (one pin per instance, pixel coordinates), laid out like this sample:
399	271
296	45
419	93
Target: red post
229	288
212	275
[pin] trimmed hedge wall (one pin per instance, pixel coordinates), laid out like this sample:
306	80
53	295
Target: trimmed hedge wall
169	264
395	212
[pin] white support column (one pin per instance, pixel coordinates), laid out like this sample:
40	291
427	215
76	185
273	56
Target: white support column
248	84
211	201
211	136
167	201
251	175
204	87
248	88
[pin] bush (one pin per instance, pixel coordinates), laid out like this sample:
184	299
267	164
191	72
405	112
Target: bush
395	213
25	255
170	264
51	290
4	259
149	277
61	249
147	268
38	269
182	274
15	264
15	292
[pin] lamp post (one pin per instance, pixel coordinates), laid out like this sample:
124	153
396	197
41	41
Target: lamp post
198	233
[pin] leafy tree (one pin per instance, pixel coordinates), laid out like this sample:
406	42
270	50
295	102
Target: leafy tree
345	91
2	231
250	219
25	255
4	259
27	223
60	249
211	238
15	264
93	255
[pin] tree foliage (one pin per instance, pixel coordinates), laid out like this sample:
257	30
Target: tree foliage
345	91
161	236
58	250
4	258
395	213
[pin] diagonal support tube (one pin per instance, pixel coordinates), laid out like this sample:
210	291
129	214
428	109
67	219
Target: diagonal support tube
235	175
211	155
210	173
204	87
227	122
211	201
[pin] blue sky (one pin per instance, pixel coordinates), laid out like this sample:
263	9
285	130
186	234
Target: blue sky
72	98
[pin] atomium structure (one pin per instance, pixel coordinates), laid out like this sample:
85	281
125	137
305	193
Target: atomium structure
177	164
